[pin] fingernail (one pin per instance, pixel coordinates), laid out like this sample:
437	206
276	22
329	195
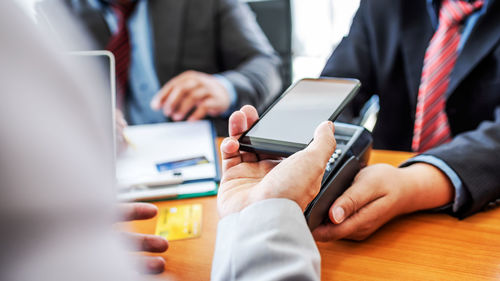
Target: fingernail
330	124
225	141
338	214
225	145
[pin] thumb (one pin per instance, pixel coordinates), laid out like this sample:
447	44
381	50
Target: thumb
323	144
351	201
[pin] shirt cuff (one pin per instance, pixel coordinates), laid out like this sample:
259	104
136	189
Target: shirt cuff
264	241
460	194
277	209
233	97
268	214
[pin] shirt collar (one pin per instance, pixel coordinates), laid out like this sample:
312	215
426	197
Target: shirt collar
433	7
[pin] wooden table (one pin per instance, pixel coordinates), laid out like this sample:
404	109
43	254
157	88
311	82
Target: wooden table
414	247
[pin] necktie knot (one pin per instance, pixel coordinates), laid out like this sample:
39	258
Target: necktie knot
123	9
453	12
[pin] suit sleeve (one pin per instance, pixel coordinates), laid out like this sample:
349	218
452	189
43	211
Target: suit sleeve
352	58
252	62
475	156
268	240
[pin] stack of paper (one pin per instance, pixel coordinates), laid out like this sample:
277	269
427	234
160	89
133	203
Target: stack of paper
167	160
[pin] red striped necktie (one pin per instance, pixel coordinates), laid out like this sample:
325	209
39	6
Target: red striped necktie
119	45
431	123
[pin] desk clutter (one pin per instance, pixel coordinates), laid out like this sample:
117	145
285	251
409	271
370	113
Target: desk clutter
168	160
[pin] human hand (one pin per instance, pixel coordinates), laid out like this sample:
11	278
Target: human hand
381	192
120	125
249	178
192	91
144	242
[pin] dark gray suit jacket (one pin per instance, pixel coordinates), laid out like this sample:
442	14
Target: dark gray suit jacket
211	36
385	50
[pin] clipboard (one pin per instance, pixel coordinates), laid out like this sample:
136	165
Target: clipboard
153	145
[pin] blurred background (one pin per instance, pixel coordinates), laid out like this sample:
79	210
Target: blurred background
288	25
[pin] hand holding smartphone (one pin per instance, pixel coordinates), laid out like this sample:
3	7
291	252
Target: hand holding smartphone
287	126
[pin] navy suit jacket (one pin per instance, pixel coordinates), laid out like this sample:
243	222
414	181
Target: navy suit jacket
385	51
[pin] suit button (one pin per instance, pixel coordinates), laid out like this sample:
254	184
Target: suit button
490	206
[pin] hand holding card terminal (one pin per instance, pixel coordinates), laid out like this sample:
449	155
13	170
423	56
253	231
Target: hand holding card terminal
353	149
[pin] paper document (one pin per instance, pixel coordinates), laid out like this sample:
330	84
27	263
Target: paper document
154	193
167	154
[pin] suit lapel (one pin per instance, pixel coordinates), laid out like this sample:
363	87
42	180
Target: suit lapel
483	38
167	18
416	34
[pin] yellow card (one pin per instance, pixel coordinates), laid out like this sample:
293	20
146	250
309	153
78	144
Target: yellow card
179	222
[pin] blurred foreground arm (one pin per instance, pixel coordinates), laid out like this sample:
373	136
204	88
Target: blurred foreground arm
56	207
263	234
144	242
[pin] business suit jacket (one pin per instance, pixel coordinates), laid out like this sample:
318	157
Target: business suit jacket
385	50
211	36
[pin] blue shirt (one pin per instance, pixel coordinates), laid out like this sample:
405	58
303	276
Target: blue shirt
470	22
143	79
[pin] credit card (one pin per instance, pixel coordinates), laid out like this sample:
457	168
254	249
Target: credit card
177	164
179	222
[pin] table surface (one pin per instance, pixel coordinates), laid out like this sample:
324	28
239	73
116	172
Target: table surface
413	247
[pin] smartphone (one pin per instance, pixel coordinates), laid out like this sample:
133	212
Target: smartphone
288	125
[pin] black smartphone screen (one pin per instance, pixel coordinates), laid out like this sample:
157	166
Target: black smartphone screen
289	124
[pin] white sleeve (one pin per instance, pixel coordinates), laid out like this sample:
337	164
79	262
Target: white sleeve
56	202
268	240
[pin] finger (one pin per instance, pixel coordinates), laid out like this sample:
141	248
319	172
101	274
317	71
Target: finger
185	105
137	211
251	114
324	140
199	113
319	151
356	227
249	157
358	195
230	151
177	93
237	124
329	232
191	99
182	90
120	119
145	242
159	99
151	265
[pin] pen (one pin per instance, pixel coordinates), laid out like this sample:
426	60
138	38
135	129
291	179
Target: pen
129	143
